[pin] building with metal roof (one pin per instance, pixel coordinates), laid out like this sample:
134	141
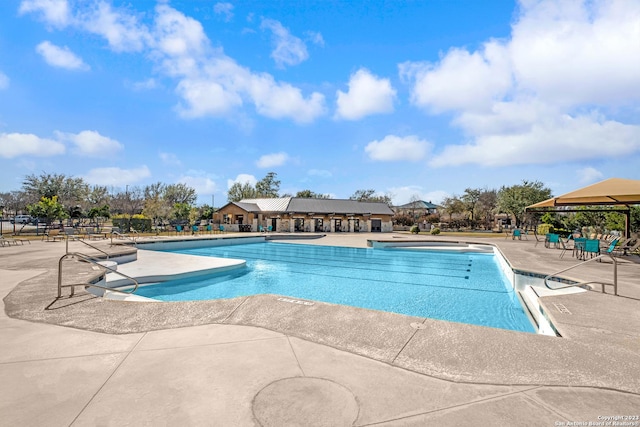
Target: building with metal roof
297	214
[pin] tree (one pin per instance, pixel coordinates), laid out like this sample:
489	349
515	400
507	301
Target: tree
308	194
48	208
415	204
180	193
369	195
99	214
486	207
130	202
181	211
70	191
470	198
453	205
269	186
239	191
513	200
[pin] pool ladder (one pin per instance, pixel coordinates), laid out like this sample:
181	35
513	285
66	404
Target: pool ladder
90	260
603	283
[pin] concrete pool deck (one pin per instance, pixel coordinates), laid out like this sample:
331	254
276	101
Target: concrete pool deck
247	361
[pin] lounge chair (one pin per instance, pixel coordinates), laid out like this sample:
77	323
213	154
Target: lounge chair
569	244
7	242
53	235
629	248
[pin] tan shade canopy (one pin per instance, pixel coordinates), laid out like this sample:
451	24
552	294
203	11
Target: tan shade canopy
612	191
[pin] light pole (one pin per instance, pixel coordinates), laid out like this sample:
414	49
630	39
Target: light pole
1	218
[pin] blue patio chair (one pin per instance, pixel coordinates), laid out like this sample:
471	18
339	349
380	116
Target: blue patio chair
552	238
269	229
179	229
209	229
221	228
195	229
591	246
612	248
261	229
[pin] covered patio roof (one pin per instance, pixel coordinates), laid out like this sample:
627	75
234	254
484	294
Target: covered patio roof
610	192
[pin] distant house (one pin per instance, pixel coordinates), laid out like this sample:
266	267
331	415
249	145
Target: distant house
417	208
297	214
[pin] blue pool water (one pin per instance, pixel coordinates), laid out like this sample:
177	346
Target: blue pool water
459	287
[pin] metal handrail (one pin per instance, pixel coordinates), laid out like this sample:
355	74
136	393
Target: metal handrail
92	261
123	236
615	275
88	244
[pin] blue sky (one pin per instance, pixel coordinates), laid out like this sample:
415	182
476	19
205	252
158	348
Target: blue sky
415	98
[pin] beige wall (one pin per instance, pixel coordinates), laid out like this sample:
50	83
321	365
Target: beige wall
286	222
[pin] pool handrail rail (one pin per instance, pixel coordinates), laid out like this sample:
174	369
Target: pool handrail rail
588	282
92	261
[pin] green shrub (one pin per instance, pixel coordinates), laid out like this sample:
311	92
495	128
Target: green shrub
435	231
414	229
545	229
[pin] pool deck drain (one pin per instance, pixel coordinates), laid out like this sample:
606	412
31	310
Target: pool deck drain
154	371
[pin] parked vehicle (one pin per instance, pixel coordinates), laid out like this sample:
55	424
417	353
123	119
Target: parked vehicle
21	219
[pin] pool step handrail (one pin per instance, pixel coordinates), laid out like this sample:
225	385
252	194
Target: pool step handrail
124	236
88	244
588	282
88	259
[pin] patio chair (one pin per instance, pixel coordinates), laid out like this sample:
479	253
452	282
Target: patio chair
516	233
4	241
209	229
569	244
611	249
591	246
52	235
221	228
552	238
629	248
179	229
195	229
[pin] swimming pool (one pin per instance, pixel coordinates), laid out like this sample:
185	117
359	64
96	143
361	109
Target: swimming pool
460	287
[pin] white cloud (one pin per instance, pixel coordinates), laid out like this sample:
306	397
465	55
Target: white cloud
170	159
402	195
90	143
61	57
208	82
394	148
201	183
145	84
320	172
225	9
577	138
315	38
461	80
117	177
26	144
578	52
213	84
53	12
272	160
589	175
367	95
243	178
560	83
4	81
122	30
288	50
